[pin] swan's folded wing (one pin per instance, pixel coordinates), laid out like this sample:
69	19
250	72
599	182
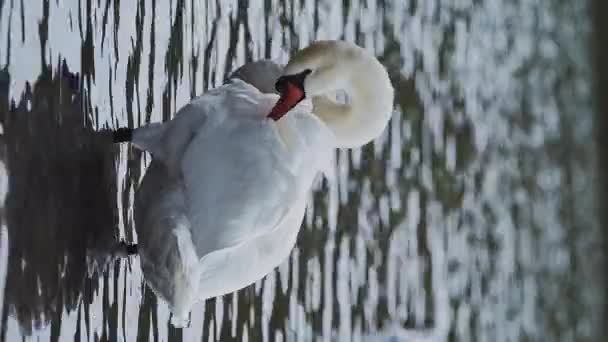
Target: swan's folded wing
242	172
236	185
231	269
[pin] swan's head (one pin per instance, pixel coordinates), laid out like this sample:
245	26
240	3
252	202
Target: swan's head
326	66
301	76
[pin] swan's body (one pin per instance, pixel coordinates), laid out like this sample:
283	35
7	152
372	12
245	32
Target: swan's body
214	199
223	199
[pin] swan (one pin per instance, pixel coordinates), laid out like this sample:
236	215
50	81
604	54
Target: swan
223	199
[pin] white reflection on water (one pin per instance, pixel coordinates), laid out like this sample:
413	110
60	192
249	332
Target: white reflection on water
469	218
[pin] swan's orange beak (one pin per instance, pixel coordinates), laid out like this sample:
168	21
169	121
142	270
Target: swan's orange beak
291	90
290	96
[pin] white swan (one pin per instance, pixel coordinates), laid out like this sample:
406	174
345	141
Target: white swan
222	202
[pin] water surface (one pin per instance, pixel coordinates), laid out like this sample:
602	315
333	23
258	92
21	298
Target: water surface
469	219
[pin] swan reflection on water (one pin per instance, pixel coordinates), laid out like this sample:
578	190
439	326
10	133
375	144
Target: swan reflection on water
61	212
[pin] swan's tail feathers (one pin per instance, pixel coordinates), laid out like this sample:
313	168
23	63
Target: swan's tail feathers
122	135
186	277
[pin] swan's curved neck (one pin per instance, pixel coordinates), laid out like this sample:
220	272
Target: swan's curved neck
343	66
369	108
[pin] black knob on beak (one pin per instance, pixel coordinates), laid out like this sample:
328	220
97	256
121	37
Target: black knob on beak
280	85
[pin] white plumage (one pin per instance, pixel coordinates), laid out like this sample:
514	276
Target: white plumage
227	186
222	201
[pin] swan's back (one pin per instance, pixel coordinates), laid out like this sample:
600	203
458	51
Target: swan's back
261	74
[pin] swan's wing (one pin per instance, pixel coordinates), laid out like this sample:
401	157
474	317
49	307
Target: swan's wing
235	184
231	269
236	181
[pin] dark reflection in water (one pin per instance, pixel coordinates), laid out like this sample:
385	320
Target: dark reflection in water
61	208
468	220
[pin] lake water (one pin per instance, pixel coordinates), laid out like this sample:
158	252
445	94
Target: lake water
471	219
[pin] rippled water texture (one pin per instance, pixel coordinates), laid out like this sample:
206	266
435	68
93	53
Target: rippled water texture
470	219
